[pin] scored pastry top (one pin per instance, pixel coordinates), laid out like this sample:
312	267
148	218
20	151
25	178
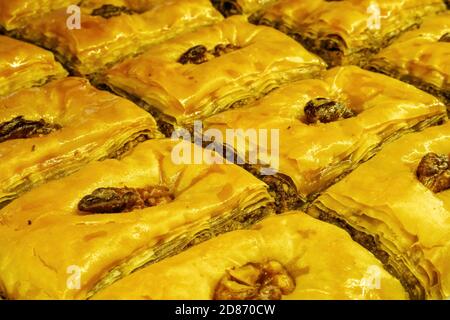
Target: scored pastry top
24	65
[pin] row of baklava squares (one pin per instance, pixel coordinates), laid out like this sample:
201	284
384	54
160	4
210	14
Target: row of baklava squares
139	205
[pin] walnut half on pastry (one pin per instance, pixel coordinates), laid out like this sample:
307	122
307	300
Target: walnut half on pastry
289	256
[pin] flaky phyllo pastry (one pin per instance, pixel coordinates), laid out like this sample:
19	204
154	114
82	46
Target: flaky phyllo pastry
398	206
51	131
326	128
110	33
23	65
115	216
291	256
16	13
349	31
420	57
215	68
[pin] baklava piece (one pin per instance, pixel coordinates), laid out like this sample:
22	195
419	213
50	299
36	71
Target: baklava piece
349	31
420	57
115	216
236	7
291	256
109	33
326	128
213	69
23	65
16	14
51	131
397	205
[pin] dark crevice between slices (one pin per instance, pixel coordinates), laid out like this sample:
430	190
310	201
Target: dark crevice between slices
120	200
200	54
433	172
445	37
331	48
165	123
227	7
255	281
281	188
20	128
237	219
129	145
326	110
108	11
391	71
392	264
28	183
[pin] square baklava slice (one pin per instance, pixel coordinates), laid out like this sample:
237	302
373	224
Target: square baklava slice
420	57
109	33
349	31
398	206
115	216
235	7
304	136
210	70
291	256
51	131
24	65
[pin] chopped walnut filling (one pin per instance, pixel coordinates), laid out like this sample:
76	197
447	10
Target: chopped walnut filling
434	172
108	11
118	200
227	7
445	37
255	281
20	128
325	110
200	54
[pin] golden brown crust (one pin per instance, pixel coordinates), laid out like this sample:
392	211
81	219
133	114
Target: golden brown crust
23	65
349	38
102	41
420	57
207	200
386	199
234	7
91	125
314	155
304	246
185	92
